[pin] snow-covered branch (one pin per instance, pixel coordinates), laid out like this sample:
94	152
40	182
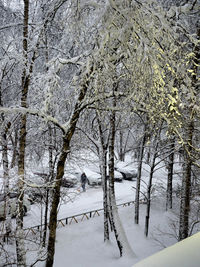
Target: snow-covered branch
34	112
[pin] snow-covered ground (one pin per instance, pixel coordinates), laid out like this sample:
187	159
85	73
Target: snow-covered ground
81	244
77	202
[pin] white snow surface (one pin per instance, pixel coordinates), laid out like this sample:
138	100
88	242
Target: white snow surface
76	202
183	254
82	244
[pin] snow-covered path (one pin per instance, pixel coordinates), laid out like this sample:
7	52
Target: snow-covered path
77	202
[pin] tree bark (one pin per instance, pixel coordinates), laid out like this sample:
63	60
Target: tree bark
188	149
186	185
153	164
113	206
56	200
7	215
5	173
67	136
146	230
15	151
51	165
121	239
49	178
170	169
103	168
139	171
20	246
121	151
4	144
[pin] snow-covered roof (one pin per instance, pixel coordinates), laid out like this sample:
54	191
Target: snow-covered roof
182	254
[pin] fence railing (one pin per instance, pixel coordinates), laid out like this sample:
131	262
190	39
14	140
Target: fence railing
70	219
75	218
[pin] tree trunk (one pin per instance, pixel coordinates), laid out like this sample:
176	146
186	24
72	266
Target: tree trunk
49	178
7	215
67	136
103	168
45	218
5	172
4	143
186	185
170	169
15	151
139	171
105	195
121	150
188	149
56	200
20	247
51	165
153	164
113	206
146	229
122	241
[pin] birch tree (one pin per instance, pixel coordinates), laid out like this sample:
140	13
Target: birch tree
103	166
186	18
170	169
121	238
139	172
20	247
137	46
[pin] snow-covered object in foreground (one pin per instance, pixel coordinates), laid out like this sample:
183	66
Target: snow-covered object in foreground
182	254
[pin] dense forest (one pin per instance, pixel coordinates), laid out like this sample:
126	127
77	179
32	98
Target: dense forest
110	76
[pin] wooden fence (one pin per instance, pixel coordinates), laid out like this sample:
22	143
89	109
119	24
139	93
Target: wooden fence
34	230
73	219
